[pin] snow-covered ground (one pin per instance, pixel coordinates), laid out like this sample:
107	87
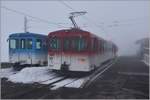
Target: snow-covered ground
63	83
6	72
76	84
31	75
42	75
27	75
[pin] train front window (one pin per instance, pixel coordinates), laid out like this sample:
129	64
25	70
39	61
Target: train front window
82	44
12	43
29	43
22	43
38	44
67	43
79	44
54	43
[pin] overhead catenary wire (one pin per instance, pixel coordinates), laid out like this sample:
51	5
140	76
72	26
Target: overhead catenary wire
24	14
67	5
114	23
99	25
86	18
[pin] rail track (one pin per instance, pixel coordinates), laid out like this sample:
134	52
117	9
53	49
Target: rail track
93	77
57	81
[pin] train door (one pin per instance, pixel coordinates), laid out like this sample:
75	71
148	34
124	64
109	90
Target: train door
25	51
29	44
66	51
40	53
54	52
22	51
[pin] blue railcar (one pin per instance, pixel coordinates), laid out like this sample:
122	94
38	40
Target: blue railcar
27	49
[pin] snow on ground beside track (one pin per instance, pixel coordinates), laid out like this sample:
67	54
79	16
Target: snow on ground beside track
62	83
52	80
6	72
31	75
76	84
42	75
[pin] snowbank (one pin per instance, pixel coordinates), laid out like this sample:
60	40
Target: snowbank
31	75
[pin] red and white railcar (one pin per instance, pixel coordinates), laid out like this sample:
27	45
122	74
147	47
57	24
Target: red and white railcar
78	50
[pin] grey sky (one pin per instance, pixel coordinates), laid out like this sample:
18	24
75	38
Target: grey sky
122	22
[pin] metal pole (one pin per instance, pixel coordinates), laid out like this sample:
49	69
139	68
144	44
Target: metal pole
25	24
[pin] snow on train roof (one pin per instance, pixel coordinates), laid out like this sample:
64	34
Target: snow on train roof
27	34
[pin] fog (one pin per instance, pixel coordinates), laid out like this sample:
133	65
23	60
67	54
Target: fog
122	22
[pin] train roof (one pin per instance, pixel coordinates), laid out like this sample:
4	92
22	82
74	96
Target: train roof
68	31
73	31
27	34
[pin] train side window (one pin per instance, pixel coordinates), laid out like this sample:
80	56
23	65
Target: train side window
83	44
94	44
103	47
75	43
38	44
17	43
12	43
29	43
100	46
22	44
106	47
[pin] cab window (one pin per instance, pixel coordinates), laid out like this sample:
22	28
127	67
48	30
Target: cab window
29	43
54	43
22	44
83	44
38	44
79	44
67	43
102	46
14	43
